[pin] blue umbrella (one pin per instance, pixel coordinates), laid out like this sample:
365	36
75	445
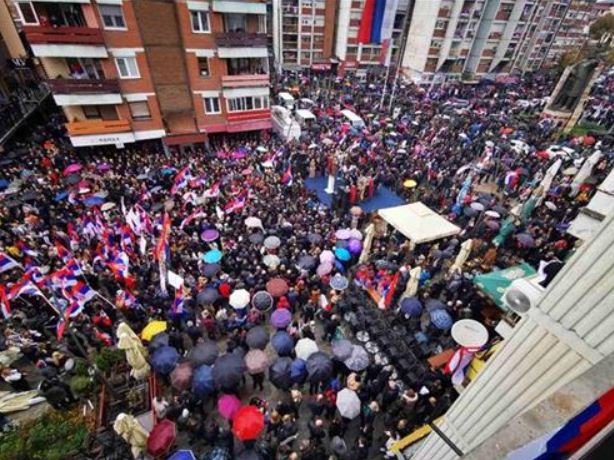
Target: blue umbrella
213	257
93	201
343	254
298	370
280	373
3	184
202	381
281	317
319	367
182	455
211	269
282	343
164	360
167	171
411	306
60	196
207	296
441	319
434	304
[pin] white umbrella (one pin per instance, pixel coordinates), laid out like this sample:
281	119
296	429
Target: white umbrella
253	222
462	256
239	299
261	149
304	348
271	260
327	256
546	182
585	170
348	403
412	284
366	244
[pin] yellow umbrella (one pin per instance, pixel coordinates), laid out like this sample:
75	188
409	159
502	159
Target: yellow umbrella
136	354
153	328
410	183
132	432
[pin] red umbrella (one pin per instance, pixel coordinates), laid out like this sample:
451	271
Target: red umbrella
277	287
543	155
248	423
589	140
161	438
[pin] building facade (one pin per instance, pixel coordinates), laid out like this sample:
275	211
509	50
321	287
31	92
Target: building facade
320	34
122	75
471	39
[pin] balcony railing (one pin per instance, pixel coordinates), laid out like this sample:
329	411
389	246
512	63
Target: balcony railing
64	35
263	114
73	86
234	81
14	114
229	39
82	128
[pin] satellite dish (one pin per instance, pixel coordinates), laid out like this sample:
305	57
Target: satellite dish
517	300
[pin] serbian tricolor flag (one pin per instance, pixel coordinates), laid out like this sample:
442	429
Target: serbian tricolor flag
377	22
181	180
23	287
5	306
63	253
198	213
237	203
287	178
178	302
162	245
213	191
568	439
124	299
7	263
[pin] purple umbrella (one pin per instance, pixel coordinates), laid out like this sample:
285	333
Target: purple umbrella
281	318
209	235
103	167
324	269
492	224
525	240
228	406
343	234
355	247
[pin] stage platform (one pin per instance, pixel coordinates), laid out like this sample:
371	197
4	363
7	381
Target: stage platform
383	197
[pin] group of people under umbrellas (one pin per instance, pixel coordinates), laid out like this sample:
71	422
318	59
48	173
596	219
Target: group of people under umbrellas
226	265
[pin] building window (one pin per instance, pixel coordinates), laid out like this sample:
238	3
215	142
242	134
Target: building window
112	16
127	67
200	22
243	104
139	110
203	67
97	112
212	105
27	13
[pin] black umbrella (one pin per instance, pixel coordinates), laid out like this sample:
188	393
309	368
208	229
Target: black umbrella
72	179
5	161
262	300
227	372
314	238
307	262
499	209
280	373
207	296
211	269
257	337
203	353
28	196
256	238
159	340
319	367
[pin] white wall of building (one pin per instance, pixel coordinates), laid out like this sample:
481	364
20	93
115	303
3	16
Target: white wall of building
343	24
420	36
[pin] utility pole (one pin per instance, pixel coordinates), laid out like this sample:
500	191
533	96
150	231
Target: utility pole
404	33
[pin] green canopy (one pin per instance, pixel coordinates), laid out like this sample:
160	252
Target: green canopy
495	283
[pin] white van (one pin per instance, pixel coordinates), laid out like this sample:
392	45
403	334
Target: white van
283	123
286	100
304	117
354	119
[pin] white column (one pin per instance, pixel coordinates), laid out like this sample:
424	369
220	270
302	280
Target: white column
330	186
570	330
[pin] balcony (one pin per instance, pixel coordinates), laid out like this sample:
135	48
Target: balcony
63	35
88	127
242	81
86	86
85	92
77	42
242	39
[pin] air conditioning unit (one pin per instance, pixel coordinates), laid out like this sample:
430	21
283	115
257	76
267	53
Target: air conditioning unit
523	294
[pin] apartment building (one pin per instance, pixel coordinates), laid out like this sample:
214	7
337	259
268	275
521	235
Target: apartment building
472	39
131	70
321	34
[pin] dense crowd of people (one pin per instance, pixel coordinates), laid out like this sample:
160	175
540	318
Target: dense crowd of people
88	237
